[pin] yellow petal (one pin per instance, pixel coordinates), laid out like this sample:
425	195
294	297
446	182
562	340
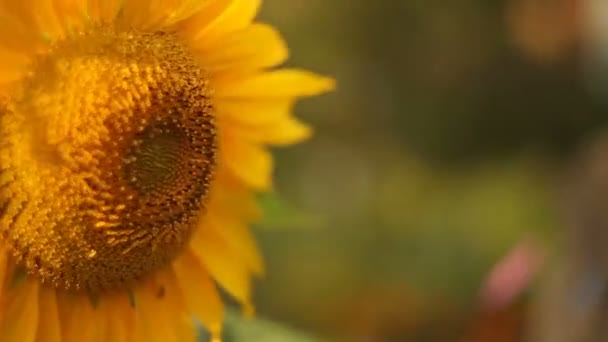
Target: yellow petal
3	269
139	13
194	26
239	14
186	330
18	10
119	318
152	320
48	326
274	84
284	132
157	14
38	16
16	36
238	236
249	162
255	47
220	17
19	316
71	14
159	310
13	66
253	111
47	20
199	292
77	317
231	197
103	11
178	10
175	302
225	267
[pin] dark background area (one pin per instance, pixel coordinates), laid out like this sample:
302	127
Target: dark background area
438	195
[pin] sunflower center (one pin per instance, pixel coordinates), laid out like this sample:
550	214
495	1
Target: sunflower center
156	159
106	153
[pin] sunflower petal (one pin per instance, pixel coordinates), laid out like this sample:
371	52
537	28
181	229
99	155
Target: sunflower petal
16	12
77	317
160	317
176	305
119	317
103	11
238	15
13	66
253	111
276	84
255	47
186	331
199	291
152	320
228	269
71	13
194	26
156	14
249	162
139	13
233	198
47	19
19	317
48	325
281	133
16	35
181	9
220	17
238	236
4	270
39	17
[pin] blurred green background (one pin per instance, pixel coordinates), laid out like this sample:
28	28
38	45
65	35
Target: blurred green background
450	176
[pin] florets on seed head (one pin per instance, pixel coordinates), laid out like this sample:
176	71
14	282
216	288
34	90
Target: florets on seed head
106	154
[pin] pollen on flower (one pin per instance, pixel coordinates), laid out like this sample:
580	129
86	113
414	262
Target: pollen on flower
107	149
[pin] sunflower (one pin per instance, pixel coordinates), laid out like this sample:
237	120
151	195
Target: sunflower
133	141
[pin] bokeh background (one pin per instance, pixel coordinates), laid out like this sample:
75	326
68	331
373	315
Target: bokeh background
456	188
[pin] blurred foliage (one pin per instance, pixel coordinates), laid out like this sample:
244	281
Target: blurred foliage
446	145
238	328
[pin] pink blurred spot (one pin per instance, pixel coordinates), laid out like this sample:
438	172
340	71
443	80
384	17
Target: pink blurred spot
511	275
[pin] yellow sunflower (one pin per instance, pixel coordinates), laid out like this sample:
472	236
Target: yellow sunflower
133	138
